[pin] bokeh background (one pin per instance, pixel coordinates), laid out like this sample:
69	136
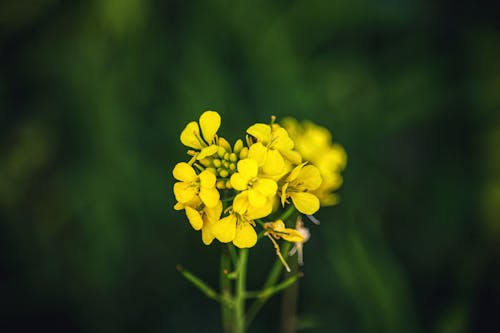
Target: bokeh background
94	94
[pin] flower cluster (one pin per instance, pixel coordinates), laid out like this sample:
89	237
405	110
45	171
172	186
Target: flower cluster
227	191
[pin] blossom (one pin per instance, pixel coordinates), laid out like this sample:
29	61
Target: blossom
315	145
191	185
301	180
238	226
273	147
259	189
202	217
203	142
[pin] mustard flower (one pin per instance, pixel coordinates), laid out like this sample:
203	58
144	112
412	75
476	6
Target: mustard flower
203	142
301	180
260	190
273	148
191	185
315	145
201	217
238	226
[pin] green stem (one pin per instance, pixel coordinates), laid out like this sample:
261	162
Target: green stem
273	276
225	290
202	286
239	309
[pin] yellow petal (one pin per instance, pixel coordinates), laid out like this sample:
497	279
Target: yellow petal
184	172
207	235
194	218
306	203
254	212
209	196
213	213
292	235
295	172
225	229
238	182
292	155
274	163
207	151
262	132
190	136
240	203
267	187
207	179
209	123
248	168
256	198
245	236
184	192
310	177
281	139
258	152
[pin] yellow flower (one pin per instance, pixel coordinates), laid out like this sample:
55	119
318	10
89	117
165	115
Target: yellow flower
191	185
202	217
278	230
238	226
301	180
273	146
315	145
209	123
260	190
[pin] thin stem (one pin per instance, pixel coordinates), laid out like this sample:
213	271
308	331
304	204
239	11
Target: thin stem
202	286
239	310
225	290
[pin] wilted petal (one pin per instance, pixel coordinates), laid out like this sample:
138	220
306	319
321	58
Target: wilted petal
190	136
194	218
209	123
306	203
225	229
292	235
184	172
245	236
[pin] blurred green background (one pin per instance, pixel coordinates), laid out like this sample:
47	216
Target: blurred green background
94	94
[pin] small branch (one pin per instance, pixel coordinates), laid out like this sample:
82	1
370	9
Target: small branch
268	292
202	286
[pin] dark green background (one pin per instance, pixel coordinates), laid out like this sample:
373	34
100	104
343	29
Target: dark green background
94	94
